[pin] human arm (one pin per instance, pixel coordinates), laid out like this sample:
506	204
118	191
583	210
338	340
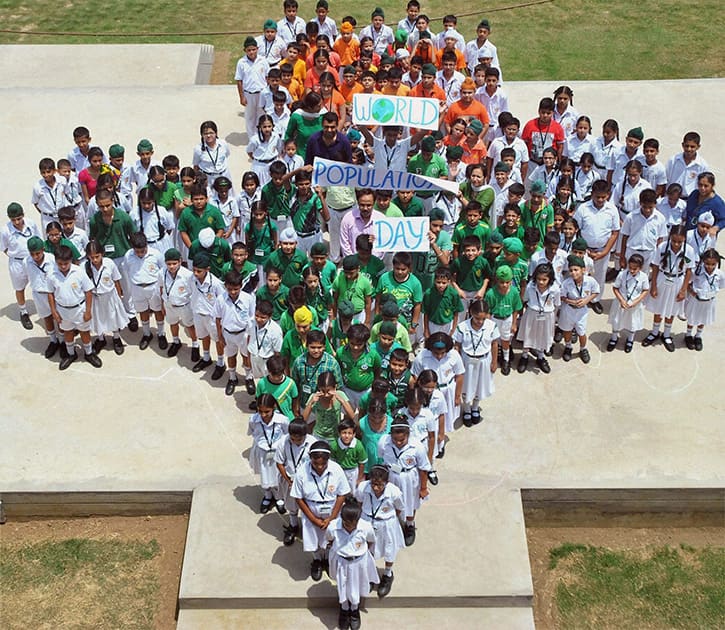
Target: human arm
459	388
683	290
87	314
415	317
423	476
494	355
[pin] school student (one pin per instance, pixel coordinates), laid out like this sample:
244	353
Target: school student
39	264
173	284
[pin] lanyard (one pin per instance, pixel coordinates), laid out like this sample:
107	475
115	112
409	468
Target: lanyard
389	155
42	267
374	512
322	493
480	339
626	288
256	337
578	289
52	196
542	136
538	299
296	462
270	439
309	377
397	452
100	275
711	280
216	154
291	28
171	286
267	48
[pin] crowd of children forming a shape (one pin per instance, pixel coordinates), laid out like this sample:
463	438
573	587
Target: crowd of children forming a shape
359	360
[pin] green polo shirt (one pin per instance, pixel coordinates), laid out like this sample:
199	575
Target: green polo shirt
319	303
279	299
482	231
337	336
284	392
426	263
292	346
407	293
520	270
193	223
261	241
358	374
373	270
441	308
385	356
543	220
437	167
350	457
290	266
248	268
503	305
470	274
391	403
413	209
485	197
48	247
113	237
306	215
220	253
518	232
165	196
399	387
278	199
401	336
356	291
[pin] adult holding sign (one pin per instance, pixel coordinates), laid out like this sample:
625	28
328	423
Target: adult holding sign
329	143
360	220
391	151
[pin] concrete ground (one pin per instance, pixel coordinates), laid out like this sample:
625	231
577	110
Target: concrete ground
143	421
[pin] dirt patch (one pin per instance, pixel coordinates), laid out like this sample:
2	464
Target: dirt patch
164	567
220	67
542	539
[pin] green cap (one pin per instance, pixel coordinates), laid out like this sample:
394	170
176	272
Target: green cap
387	59
144	145
116	151
437	215
15	210
390	309
378	12
428	144
250	42
269	24
454	152
389	328
353	135
513	245
202	261
348	70
495	237
580	244
538	187
319	249
575	261
35	244
476	126
504	273
172	254
345	308
429	69
484	24
401	36
636	133
350	262
501	167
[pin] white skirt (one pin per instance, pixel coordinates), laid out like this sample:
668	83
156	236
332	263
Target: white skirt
388	538
353	577
267	471
109	314
666	303
453	410
537	330
700	313
631	319
409	484
478	381
313	538
284	493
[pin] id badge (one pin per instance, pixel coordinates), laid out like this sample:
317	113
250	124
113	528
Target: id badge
259	253
540	317
396	468
109	248
325	510
306	389
269	457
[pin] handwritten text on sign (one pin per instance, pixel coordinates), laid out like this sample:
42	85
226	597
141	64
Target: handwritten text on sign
331	173
378	109
409	234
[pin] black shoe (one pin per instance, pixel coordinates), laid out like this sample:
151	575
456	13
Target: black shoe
93	359
65	363
281	509
290	533
386	582
669	344
698	344
174	349
543	365
549	351
566	355
628	346
409	535
25	321
584	355
163	343
650	339
476	416
145	341
250	386
99	344
558	335
355	619
316	570
51	349
195	354
441	452
612	345
467	420
133	324
266	505
63	351
505	367
690	342
597	307
523	364
118	346
201	364
231	385
218	372
343	620
433	477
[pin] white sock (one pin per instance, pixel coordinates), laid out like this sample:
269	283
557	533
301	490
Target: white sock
668	330
506	354
220	361
656	328
195	343
232	374
70	347
388	571
247	372
207	356
699	331
87	348
146	327
161	328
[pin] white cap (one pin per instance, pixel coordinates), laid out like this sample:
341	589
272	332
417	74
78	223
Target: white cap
288	236
485	51
402	53
206	237
707	218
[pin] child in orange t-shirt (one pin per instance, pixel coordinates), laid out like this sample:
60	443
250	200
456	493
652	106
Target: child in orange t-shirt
346	45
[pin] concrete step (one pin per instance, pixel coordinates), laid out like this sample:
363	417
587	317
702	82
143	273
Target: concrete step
470	552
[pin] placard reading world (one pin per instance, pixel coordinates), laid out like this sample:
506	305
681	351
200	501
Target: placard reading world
379	109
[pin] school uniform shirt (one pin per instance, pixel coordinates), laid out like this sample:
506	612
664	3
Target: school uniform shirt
252	74
79	239
575	146
583	183
144	270
273	51
567	120
471	52
618	159
175	289
503	305
655	174
450	366
409	81
391	158
139	174
381	38
451	87
320	490
14	242
494	103
192	222
707	285
700	244
349	456
78	161
558	263
38	274
626	197
155	224
631	286
212	161
103	279
280	127
284	393
352	544
204	294
407	293
293	456
382	508
265	342
267	436
572	291
50	199
421	425
644	232
518	145
546	302
685	175
358	373
235	315
265	151
244	205
228	208
356	291
287	31
293	162
70	289
409	457
476	343
328	27
441	308
597	224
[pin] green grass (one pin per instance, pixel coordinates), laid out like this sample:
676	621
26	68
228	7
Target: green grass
79	583
660	588
560	40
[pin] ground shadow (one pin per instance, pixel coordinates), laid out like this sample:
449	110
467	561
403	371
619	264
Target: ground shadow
237	139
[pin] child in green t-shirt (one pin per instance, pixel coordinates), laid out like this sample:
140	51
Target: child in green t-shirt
289	259
511	220
307	209
386	342
354	287
319	261
318	299
337	332
505	303
380	389
241	264
532	243
349	452
471	272
512	249
261	236
359	363
441	304
275	292
278	193
399	375
281	386
326	407
473	226
405	288
370	266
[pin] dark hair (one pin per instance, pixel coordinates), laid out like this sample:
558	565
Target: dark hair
675	230
403	258
512	207
600	186
81	132
545	269
297	427
207	124
612	125
346	423
399	354
351	510
551	238
565	89
438	337
94	247
66	213
197	190
46	163
315	336
277	168
326	379
648	196
233	278
479	306
359	333
147	194
64	253
652	143
546	104
138	240
636	259
265	307
170	161
415	396
267	400
379	473
95	152
377	406
691	136
276	364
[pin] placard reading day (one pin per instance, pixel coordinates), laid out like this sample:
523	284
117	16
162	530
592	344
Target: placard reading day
377	109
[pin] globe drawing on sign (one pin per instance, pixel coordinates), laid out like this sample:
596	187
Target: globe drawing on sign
383	110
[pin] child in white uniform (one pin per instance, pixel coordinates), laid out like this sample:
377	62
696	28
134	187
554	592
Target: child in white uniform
476	340
576	292
268	427
204	289
109	314
700	238
542	298
427	382
155	221
39	265
293	452
423	426
700	304
319	487
173	284
408	464
228	206
630	290
350	540
14	242
264	148
265	338
671	270
212	154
